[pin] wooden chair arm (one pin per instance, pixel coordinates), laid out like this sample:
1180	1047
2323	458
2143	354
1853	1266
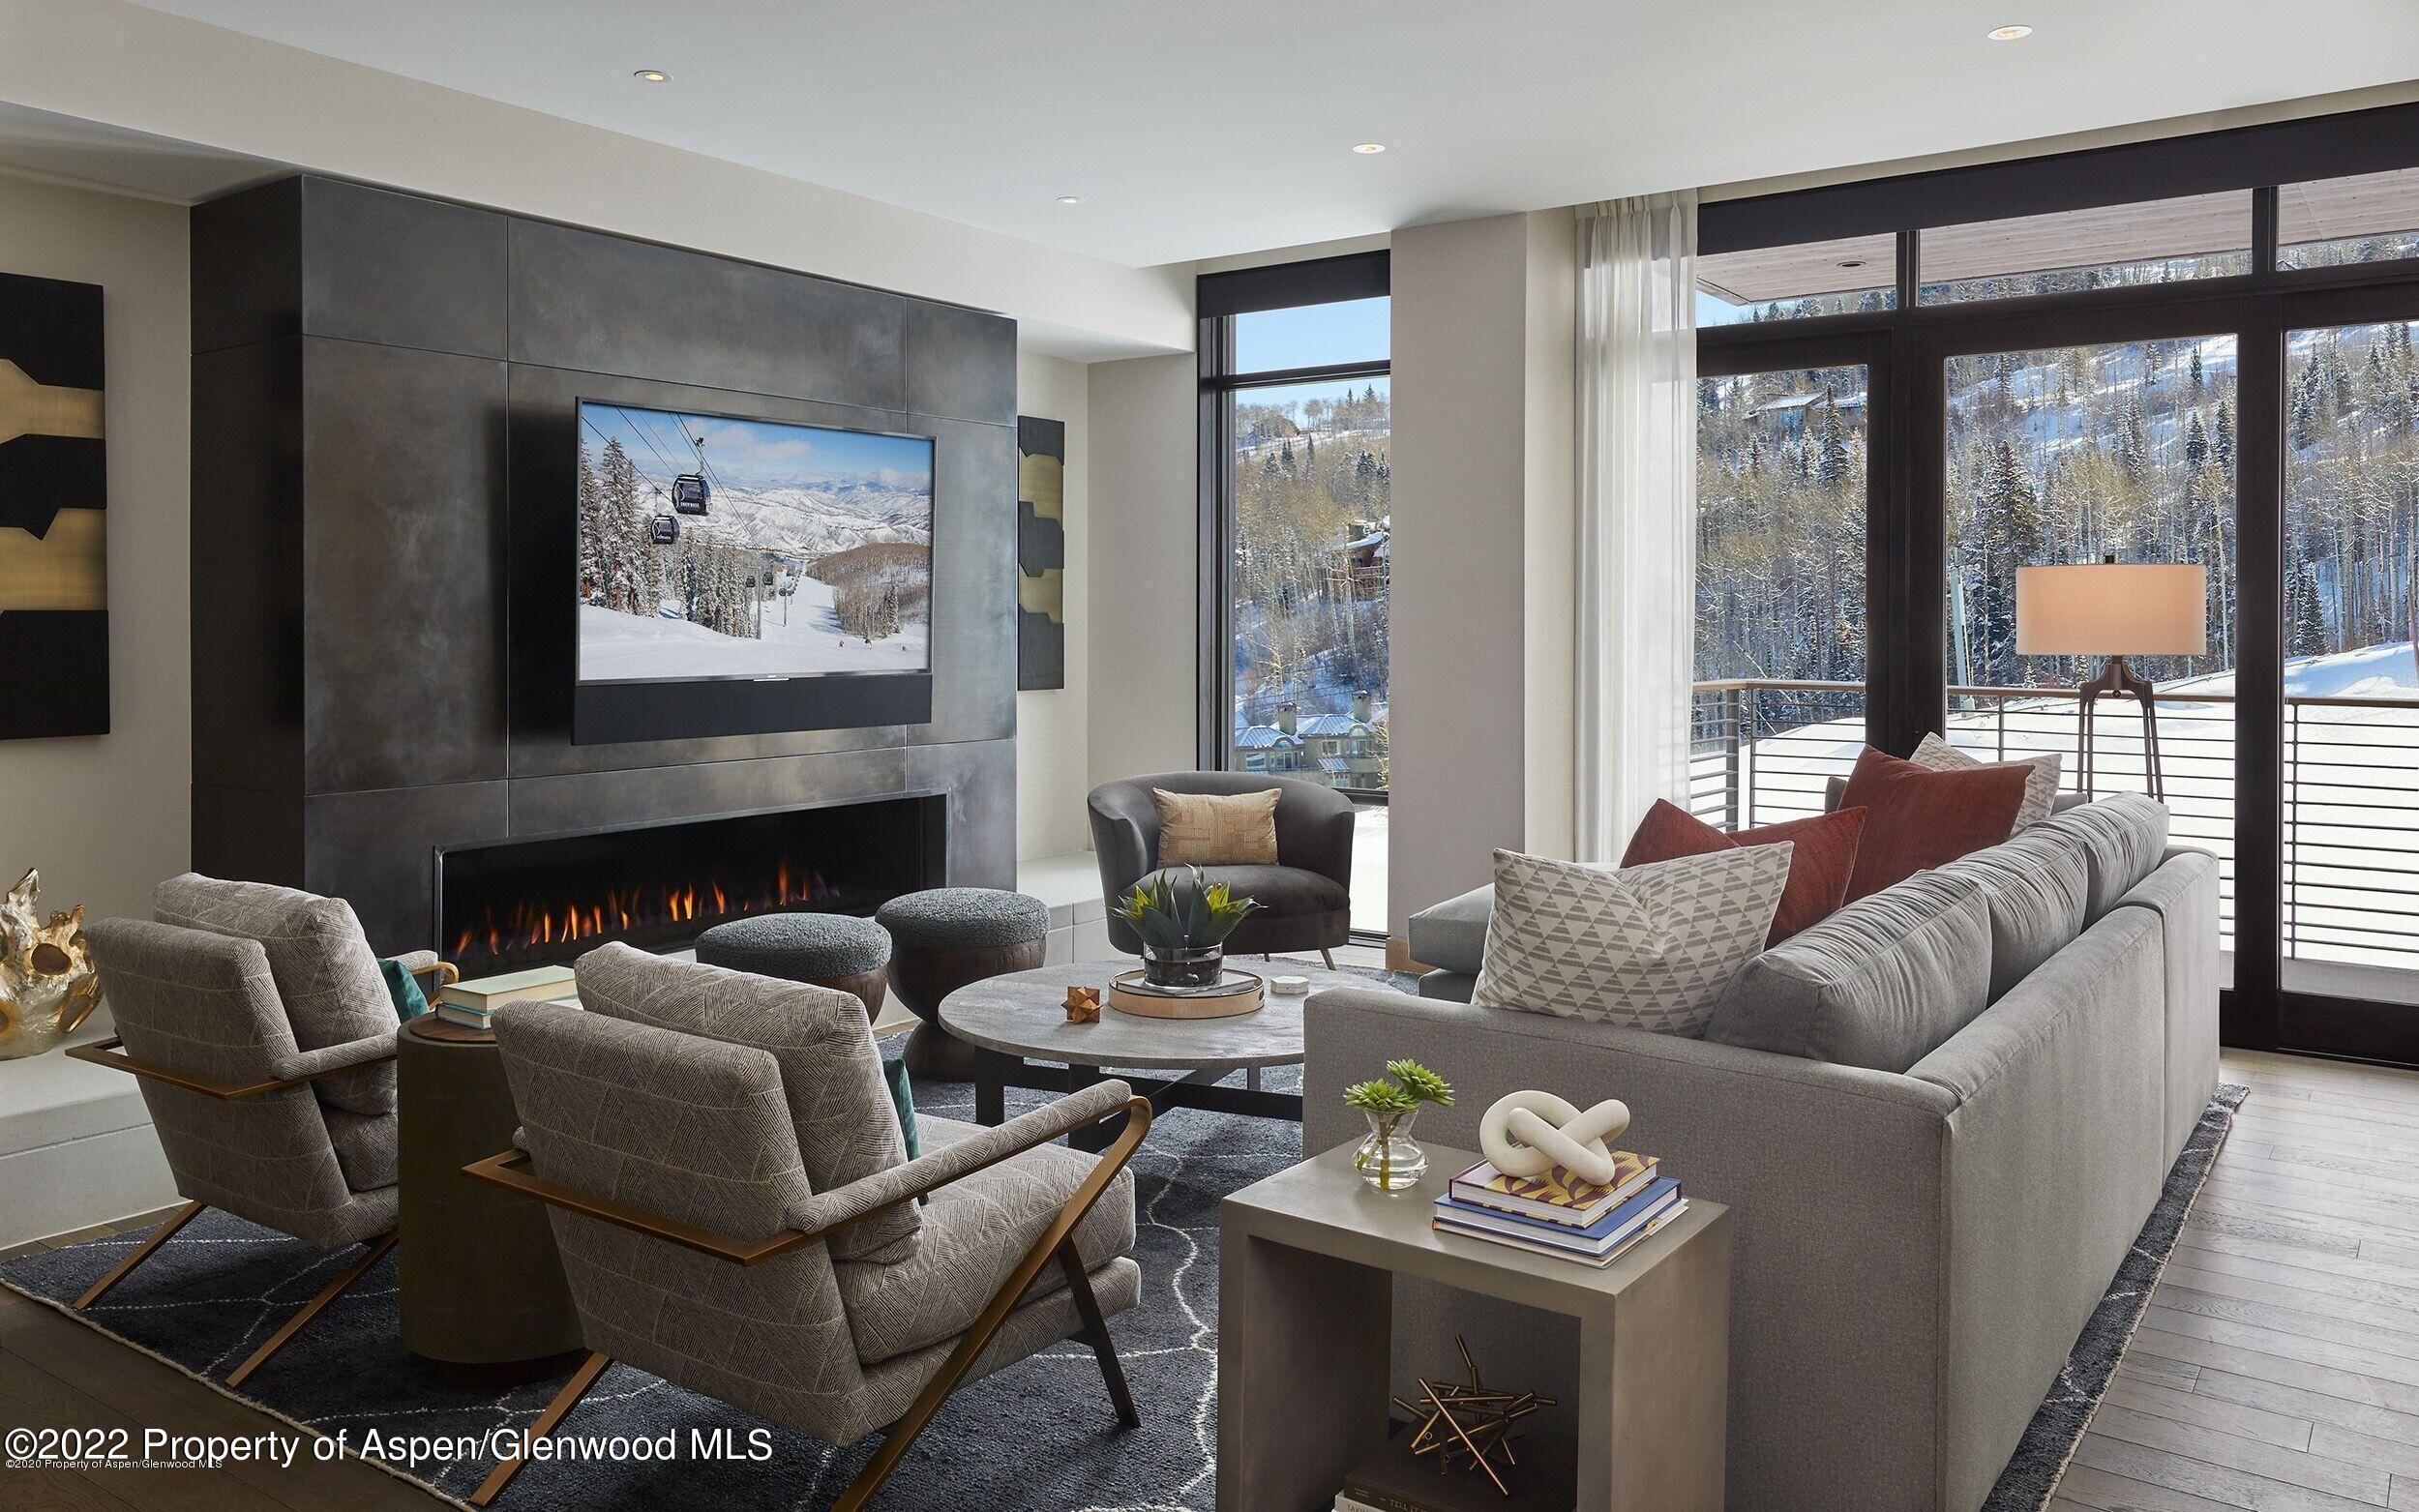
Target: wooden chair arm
108	1052
508	1170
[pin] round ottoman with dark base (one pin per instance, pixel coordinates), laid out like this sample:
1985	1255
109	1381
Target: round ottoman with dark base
834	950
945	938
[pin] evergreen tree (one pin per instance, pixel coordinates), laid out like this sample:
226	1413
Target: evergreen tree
2222	445
2196	379
2305	617
2196	444
1833	463
2009	533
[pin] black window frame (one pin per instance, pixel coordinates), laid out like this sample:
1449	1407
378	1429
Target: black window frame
1219	297
1906	528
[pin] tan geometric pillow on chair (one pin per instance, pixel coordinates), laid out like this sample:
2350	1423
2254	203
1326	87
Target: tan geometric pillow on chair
1213	829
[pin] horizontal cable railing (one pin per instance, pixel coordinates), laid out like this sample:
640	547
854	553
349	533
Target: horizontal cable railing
1764	750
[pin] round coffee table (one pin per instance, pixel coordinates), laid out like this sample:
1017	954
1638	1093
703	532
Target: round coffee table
1015	1021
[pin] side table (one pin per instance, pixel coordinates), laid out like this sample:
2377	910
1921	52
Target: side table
1305	1310
482	1288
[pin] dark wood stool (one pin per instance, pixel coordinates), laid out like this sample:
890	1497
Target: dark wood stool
924	975
482	1289
945	937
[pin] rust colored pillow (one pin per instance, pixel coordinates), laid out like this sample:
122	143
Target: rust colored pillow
1915	818
1821	860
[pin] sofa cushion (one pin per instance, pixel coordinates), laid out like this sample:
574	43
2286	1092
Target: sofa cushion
2035	886
831	1073
2123	838
326	975
2041	780
1216	829
1822	856
1879	984
976	1230
1452	936
1917	818
1648	947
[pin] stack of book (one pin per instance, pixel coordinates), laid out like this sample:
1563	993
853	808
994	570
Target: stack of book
1394	1479
473	1003
1559	1214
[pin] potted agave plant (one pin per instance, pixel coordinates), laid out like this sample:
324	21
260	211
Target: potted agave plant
1183	926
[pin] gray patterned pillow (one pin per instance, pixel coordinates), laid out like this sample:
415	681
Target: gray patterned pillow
1645	947
2041	784
325	973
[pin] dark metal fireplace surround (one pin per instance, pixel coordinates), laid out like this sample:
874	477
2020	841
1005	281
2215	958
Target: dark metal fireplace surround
507	905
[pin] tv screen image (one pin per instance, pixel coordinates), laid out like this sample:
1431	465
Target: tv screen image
718	548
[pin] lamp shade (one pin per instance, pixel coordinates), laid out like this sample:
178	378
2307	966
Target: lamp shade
2112	608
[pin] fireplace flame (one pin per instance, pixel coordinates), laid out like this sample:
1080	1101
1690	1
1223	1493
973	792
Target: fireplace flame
533	924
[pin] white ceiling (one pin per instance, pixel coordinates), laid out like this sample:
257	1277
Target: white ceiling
1195	128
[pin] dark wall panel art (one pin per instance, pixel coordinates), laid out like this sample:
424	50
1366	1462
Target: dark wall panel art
54	496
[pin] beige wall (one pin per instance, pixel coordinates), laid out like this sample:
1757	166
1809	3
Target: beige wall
1141	623
1480	679
1053	736
106	816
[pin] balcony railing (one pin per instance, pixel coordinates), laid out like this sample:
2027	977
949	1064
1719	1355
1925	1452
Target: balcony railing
1764	750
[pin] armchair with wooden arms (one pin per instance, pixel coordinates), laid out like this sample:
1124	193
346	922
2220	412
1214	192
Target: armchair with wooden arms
744	1223
277	1106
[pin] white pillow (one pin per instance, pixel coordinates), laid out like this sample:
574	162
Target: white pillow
1645	947
2041	784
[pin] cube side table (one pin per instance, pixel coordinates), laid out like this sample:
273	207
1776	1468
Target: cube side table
1306	1306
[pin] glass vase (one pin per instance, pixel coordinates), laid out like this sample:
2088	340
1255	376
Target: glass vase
1389	1159
1195	967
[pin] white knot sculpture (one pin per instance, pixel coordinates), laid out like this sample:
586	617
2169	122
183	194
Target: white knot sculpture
1528	1134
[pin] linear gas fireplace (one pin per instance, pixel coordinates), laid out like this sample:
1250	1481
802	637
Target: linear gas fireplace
509	903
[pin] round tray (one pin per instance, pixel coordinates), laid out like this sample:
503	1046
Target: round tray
1236	994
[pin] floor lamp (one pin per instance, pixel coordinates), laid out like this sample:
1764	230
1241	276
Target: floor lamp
2114	609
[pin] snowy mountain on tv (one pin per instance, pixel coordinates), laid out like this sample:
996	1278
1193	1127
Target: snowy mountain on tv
716	547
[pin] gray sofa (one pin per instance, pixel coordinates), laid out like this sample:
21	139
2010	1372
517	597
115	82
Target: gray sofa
1917	1247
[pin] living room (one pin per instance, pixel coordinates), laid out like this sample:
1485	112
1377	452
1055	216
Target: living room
1086	756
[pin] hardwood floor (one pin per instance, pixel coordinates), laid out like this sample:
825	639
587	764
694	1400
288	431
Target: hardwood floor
2278	1367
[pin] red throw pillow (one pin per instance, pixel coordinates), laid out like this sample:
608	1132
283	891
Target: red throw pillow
1821	861
1915	818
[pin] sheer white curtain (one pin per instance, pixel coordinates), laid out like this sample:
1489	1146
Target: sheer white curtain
1637	512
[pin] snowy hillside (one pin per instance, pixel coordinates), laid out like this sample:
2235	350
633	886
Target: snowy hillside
617	648
802	523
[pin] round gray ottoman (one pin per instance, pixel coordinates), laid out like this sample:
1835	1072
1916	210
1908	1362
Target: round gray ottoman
834	950
945	938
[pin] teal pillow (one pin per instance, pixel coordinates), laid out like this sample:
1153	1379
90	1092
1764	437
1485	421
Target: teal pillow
902	1098
405	989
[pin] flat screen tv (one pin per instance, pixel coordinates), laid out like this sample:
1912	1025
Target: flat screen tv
739	576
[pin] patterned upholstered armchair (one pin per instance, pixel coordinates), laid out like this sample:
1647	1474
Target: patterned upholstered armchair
264	1036
737	1214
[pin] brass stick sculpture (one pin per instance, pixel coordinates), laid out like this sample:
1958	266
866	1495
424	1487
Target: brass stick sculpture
1465	1426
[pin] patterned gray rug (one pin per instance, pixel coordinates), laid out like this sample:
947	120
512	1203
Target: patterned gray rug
1039	1436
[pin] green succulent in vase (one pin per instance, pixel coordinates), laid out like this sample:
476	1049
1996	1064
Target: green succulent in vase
1389	1159
1183	926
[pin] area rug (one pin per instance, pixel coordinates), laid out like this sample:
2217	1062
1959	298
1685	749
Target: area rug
2040	1456
1036	1435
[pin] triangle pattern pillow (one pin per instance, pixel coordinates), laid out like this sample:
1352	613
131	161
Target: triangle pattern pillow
2041	784
1647	947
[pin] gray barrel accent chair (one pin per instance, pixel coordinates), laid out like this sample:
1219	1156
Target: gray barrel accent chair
736	1213
1917	1248
263	1037
1305	900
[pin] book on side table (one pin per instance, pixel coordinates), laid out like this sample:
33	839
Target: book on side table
474	1001
1559	1214
1396	1480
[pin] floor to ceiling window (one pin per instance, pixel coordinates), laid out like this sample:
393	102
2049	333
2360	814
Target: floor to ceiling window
2194	352
1296	537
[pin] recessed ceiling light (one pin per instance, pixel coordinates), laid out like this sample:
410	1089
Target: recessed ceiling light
1852	262
652	76
1070	199
2011	34
1366	148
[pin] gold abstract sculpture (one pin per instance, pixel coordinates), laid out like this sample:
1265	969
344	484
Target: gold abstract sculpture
1083	1005
46	981
1467	1426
